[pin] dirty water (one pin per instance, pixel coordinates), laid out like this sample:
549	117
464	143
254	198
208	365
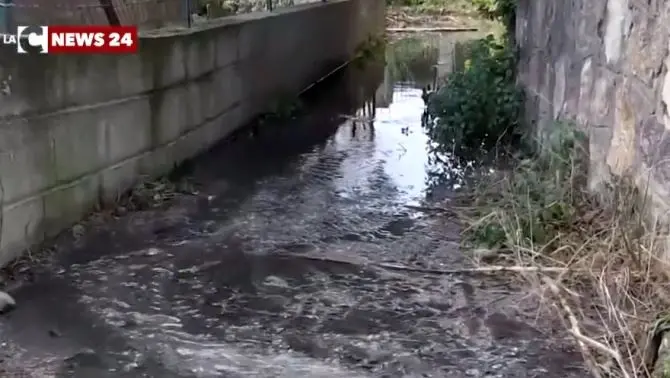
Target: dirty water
273	266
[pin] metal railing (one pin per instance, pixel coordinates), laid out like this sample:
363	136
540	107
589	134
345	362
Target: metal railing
147	14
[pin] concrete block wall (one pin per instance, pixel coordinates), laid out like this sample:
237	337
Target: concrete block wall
77	129
604	64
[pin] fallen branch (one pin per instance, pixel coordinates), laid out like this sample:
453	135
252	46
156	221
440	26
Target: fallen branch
357	118
407	268
434	29
581	339
485	269
430	209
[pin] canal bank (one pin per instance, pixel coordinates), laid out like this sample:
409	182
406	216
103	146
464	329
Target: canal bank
275	262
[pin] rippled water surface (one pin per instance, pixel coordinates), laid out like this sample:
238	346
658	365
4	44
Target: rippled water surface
274	267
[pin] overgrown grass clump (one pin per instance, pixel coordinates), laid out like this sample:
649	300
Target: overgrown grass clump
431	6
548	181
479	105
501	10
592	259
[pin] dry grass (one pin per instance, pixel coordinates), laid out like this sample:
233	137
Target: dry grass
456	17
611	288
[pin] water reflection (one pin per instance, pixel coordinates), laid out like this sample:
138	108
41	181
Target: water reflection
413	60
424	59
424	62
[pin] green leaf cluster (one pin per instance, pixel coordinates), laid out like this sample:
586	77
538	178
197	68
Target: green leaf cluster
480	104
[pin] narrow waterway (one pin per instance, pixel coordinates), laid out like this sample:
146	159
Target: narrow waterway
274	265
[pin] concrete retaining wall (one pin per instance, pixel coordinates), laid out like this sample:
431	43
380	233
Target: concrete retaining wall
604	64
75	130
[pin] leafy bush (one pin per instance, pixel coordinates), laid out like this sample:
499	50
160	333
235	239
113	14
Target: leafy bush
503	10
480	103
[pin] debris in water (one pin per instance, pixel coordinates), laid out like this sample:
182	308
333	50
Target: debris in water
7	303
275	282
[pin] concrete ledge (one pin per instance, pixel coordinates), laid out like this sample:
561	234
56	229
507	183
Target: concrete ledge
78	129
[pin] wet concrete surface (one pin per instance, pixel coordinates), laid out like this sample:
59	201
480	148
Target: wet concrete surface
271	267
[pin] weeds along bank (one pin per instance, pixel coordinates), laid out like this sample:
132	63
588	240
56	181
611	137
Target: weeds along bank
592	257
486	8
442	15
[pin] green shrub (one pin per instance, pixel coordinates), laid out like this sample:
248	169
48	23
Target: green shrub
479	106
503	10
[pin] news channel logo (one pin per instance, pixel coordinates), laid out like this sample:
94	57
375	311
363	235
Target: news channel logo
32	39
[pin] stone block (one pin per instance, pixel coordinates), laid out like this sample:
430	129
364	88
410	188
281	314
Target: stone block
78	141
599	173
65	205
27	167
230	87
590	28
559	85
622	149
164	58
200	49
30	85
226	45
661	173
547	84
169	116
586	82
603	97
539	34
129	128
521	28
22	223
647	45
534	77
196	105
615	29
572	89
117	179
253	39
653	142
664	111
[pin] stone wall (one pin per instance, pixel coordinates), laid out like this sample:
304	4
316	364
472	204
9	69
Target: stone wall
604	65
78	129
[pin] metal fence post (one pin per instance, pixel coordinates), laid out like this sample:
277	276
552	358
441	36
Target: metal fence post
188	4
7	17
110	11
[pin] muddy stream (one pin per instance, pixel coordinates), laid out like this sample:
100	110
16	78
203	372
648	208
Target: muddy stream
268	268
